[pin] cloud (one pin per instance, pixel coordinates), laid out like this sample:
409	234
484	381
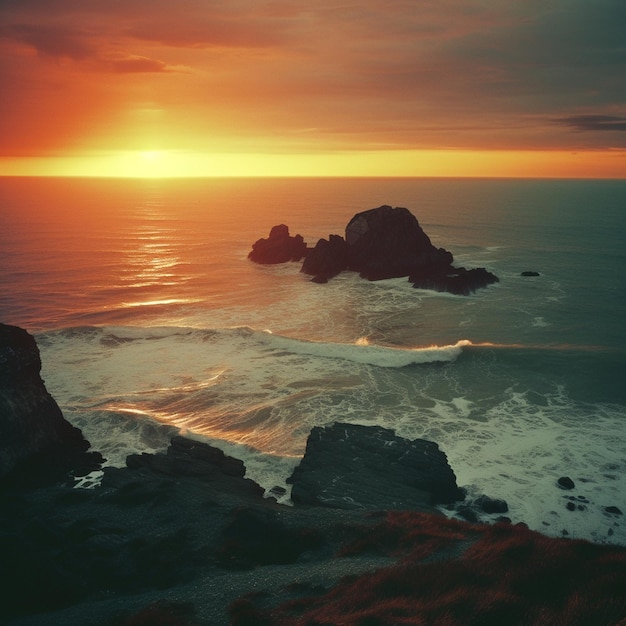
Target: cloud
137	64
594	122
53	41
208	31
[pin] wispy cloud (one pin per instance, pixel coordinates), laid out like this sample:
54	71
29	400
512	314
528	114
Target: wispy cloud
137	64
594	122
50	40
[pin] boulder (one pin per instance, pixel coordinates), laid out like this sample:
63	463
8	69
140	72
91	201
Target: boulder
458	281
327	259
349	466
388	242
565	482
530	273
491	505
280	247
193	460
37	444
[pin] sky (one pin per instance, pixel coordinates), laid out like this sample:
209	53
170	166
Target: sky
288	87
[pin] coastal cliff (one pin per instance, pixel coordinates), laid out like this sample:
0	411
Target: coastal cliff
38	444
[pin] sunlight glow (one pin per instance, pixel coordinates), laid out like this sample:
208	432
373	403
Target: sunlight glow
450	163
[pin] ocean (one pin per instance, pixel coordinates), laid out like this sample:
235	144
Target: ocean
151	320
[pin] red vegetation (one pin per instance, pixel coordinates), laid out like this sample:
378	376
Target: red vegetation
476	575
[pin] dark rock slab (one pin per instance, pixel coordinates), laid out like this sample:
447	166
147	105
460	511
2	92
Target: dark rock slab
279	247
350	466
456	280
191	460
491	505
327	259
37	444
530	273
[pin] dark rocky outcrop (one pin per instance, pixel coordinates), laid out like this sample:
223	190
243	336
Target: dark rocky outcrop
369	467
530	273
37	444
327	259
380	243
388	242
187	458
491	505
280	247
458	281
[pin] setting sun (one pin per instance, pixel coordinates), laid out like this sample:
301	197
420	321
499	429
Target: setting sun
405	163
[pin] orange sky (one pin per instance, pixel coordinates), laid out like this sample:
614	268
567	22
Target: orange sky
287	87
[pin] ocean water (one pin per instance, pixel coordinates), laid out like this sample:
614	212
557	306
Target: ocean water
151	320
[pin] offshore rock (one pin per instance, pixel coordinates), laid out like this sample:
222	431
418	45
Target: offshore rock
380	243
348	466
458	281
388	242
37	444
280	247
327	259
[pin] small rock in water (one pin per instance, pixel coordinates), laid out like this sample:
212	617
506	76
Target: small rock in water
565	482
491	505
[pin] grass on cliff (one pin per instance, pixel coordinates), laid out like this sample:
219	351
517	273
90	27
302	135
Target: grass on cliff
456	574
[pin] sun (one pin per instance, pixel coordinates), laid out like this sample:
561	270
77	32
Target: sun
152	156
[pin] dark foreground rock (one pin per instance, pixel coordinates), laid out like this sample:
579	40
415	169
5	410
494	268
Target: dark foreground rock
380	243
184	539
37	444
368	467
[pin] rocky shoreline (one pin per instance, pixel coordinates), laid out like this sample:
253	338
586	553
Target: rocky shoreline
184	538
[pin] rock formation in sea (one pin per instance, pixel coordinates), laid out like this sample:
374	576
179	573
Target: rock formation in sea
37	444
380	243
279	247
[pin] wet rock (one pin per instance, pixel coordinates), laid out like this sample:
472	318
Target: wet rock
280	247
368	467
459	281
327	259
530	273
491	505
613	510
565	482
